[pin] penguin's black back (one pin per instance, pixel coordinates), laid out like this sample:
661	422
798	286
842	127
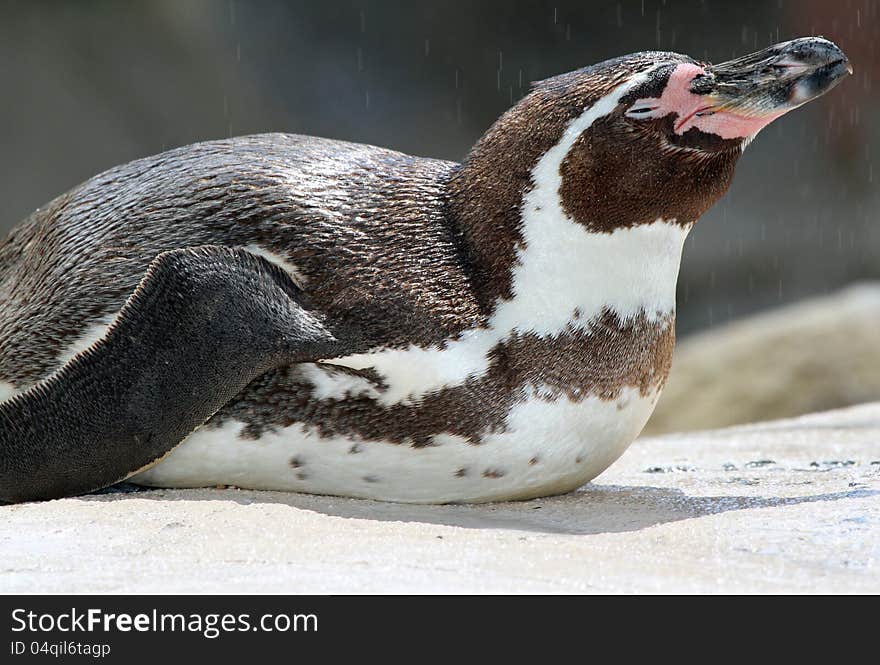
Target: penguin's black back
366	229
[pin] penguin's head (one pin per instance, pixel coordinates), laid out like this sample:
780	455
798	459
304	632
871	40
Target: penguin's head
659	134
645	137
721	107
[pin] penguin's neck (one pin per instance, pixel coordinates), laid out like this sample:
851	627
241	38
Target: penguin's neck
534	267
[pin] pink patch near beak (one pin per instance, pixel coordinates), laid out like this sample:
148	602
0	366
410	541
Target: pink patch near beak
677	98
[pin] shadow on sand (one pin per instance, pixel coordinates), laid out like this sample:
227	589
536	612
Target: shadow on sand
591	510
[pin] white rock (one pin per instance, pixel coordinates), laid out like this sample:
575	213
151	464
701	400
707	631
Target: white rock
820	354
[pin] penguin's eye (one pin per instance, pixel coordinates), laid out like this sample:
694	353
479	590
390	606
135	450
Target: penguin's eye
640	111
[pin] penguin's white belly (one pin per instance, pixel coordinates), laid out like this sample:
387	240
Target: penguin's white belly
548	447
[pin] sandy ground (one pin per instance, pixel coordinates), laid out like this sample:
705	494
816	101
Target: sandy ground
790	506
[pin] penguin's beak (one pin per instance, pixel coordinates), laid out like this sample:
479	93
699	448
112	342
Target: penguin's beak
764	85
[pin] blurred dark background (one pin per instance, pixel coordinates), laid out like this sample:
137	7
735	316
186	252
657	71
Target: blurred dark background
89	84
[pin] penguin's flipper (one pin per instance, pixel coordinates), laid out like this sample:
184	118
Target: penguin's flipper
202	324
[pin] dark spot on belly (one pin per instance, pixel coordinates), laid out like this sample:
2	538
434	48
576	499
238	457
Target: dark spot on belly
533	461
371	479
493	473
461	473
302	475
296	462
355	449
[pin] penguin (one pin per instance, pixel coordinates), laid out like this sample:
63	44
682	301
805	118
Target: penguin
293	313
